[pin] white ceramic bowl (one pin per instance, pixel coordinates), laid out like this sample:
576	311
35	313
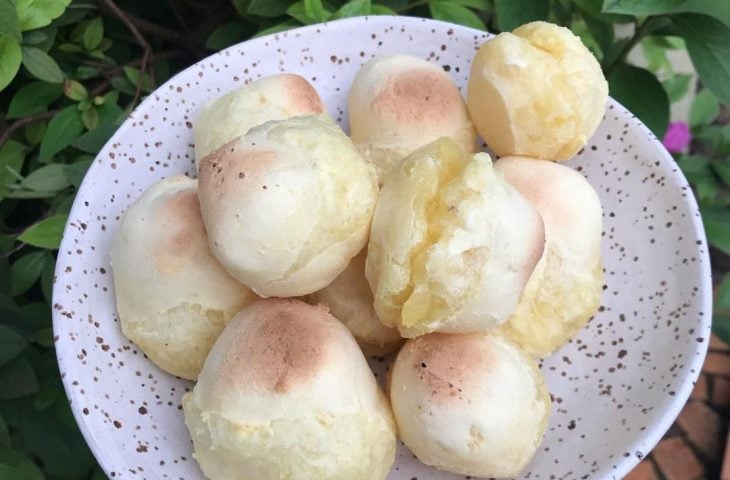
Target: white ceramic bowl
617	387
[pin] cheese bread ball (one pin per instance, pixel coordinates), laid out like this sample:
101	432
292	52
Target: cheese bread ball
287	205
287	394
173	297
276	97
537	91
399	103
565	288
350	300
472	404
452	244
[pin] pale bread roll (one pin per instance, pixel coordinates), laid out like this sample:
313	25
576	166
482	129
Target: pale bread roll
399	103
565	288
286	393
287	205
276	97
472	404
350	300
173	297
537	91
452	244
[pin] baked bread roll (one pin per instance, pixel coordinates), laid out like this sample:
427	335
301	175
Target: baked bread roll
287	205
350	300
537	91
173	297
276	97
399	103
286	393
452	244
472	404
565	288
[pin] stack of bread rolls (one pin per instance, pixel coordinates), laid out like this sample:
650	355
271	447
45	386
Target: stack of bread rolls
299	250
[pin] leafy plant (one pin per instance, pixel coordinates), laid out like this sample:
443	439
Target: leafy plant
72	70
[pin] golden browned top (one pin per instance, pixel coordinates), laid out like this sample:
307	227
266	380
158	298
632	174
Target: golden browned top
447	364
416	96
302	95
285	347
183	228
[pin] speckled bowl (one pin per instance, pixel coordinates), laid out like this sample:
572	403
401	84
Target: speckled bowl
617	386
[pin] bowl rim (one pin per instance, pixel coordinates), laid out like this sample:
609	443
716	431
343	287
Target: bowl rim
647	440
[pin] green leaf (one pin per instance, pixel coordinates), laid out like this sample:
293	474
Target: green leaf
640	8
602	31
721	327
26	270
34	133
93	34
715	137
226	35
708	45
11	344
297	12
722	169
722	295
714	8
677	86
511	14
241	6
41	65
46	233
133	75
655	51
450	12
34	98
34	37
639	91
316	11
39	13
74	90
56	442
10	58
47	281
353	8
4	434
16	466
717	226
267	8
17	379
63	129
376	9
49	178
12	156
9	22
90	117
45	396
481	5
44	337
279	27
705	109
94	140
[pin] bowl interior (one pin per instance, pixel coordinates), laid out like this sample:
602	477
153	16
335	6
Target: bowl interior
617	387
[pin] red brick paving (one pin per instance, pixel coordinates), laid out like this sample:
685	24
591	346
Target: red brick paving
701	389
721	392
703	427
644	471
717	363
698	446
677	461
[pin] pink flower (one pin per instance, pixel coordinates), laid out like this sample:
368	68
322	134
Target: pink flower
677	137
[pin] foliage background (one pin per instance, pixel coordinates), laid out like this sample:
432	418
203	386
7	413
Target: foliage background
72	70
